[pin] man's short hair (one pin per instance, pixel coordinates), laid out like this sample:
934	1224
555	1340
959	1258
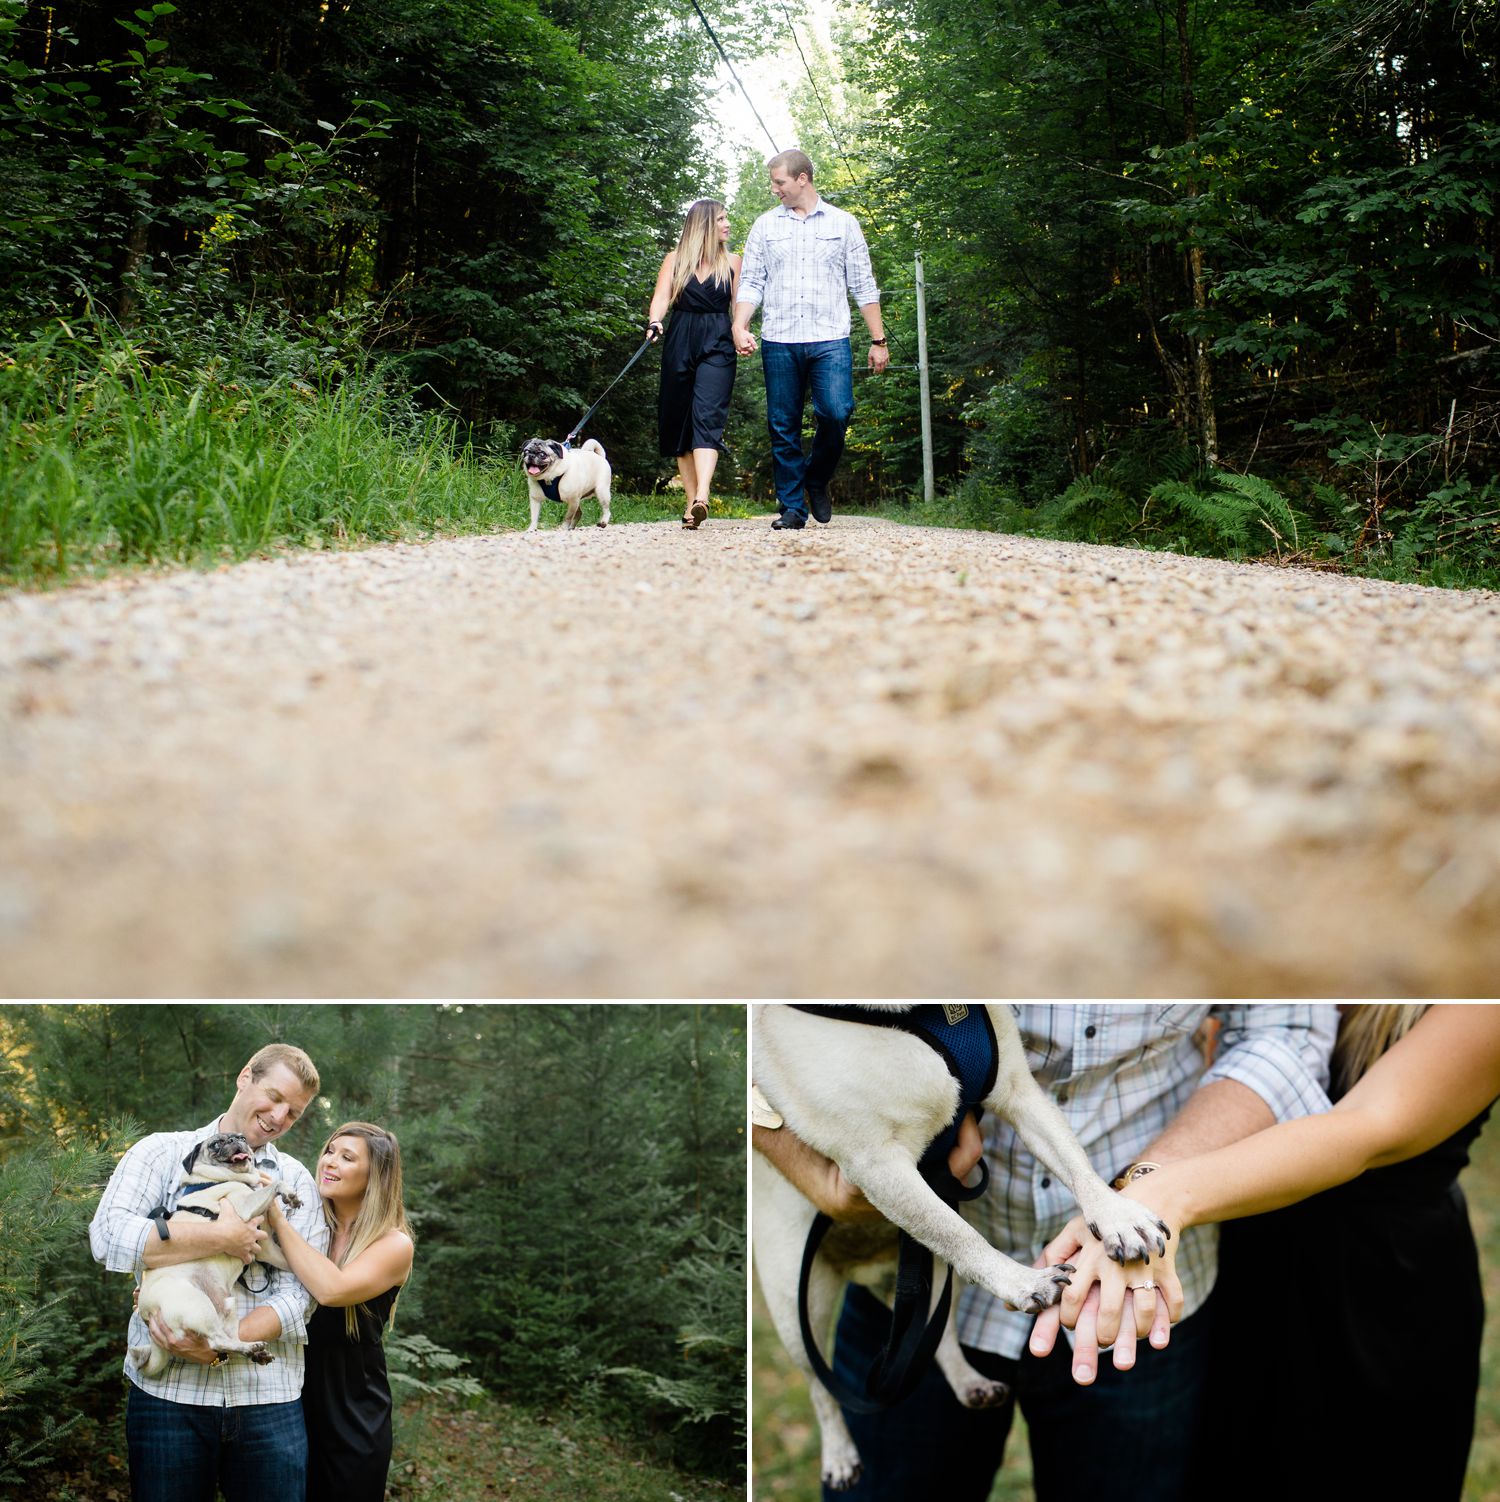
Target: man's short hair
291	1058
795	163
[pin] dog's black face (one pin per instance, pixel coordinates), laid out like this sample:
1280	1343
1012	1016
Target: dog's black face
540	454
228	1150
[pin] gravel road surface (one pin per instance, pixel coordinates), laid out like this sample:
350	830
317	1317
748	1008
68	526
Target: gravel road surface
866	760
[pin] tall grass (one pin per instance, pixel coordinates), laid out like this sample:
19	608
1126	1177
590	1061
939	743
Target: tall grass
111	453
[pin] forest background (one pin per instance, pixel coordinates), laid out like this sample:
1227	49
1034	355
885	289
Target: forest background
575	1176
1210	277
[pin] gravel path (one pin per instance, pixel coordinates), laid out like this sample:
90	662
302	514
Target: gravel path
866	760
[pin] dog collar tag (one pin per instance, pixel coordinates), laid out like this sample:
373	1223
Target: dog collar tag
954	1012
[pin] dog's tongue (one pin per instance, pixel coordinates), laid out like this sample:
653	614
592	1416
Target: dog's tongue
240	1158
533	469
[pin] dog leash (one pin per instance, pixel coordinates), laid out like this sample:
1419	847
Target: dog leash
964	1038
636	356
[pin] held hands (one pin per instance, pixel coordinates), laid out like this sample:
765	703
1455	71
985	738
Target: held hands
744	341
1106	1304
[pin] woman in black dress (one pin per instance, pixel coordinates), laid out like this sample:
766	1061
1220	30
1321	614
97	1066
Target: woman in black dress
697	281
1346	1327
346	1397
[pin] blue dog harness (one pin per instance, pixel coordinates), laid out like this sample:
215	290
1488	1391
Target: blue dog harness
964	1038
550	487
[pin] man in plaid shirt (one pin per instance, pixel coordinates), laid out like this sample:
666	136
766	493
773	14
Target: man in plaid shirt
212	1422
802	263
1132	1083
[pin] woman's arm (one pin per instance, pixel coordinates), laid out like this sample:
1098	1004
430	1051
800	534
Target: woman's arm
377	1268
736	262
1443	1073
661	296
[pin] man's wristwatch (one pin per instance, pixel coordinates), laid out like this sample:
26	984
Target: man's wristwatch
880	341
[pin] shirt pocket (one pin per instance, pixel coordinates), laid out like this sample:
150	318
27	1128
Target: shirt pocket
829	251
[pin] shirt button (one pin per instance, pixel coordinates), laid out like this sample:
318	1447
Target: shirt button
1090	1030
1046	1183
1062	1099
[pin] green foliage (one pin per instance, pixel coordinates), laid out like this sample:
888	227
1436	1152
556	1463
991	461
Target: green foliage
111	454
47	1192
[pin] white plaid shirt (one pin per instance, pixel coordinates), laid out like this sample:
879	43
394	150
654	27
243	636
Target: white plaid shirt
1121	1073
146	1177
800	271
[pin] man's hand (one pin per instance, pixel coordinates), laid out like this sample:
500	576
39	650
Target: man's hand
880	357
744	340
239	1238
1106	1304
189	1346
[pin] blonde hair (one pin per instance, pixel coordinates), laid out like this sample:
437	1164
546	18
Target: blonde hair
382	1208
699	242
274	1054
1366	1032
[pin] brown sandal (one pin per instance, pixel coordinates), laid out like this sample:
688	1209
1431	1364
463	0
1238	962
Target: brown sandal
699	513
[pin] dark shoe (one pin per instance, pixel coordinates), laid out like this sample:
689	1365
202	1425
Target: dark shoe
822	507
789	521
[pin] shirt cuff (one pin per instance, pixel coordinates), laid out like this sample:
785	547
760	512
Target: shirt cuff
1279	1072
125	1244
292	1309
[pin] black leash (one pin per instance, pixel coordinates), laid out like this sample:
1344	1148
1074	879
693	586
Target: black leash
636	356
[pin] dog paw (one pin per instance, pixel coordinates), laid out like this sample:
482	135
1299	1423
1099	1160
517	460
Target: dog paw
1044	1290
839	1476
291	1201
260	1356
1131	1233
982	1393
601	524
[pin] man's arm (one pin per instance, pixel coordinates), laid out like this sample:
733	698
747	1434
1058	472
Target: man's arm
1272	1066
822	1181
860	275
751	290
125	1240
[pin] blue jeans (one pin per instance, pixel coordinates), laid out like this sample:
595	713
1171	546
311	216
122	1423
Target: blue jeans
1130	1434
827	368
180	1452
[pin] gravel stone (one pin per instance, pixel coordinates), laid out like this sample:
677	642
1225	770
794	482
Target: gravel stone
861	760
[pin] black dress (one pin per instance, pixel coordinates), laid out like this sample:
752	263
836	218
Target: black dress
1346	1349
697	368
346	1403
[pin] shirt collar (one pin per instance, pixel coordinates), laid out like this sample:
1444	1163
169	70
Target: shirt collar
817	208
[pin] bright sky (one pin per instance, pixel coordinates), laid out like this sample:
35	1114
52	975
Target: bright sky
768	80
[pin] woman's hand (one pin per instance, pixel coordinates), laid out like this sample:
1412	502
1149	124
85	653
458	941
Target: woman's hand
653	330
1106	1304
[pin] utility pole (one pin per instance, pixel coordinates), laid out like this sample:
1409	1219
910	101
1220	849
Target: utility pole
926	385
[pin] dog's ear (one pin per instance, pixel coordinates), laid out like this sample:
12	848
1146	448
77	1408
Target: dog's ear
192	1156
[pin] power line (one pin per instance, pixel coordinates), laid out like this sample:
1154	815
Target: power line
818	94
744	92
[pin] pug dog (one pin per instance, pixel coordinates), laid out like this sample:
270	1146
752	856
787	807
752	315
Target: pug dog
872	1098
199	1295
555	472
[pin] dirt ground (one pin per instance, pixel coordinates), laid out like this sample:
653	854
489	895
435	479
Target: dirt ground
862	760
